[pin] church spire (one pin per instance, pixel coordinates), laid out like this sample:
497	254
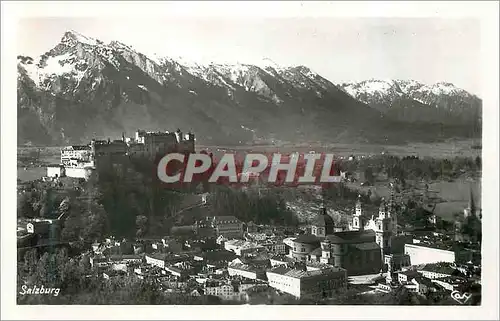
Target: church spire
472	205
359	207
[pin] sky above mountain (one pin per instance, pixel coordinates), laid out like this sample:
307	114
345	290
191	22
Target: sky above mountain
340	49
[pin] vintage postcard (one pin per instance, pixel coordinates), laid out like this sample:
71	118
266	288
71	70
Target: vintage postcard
250	160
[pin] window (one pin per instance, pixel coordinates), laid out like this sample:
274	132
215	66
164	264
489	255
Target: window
302	250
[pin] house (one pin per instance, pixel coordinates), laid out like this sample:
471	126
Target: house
156	259
396	262
56	170
157	246
256	236
248	271
423	285
113	274
98	261
275	247
235	291
197	292
221	240
437	270
214	260
384	288
407	276
315	256
289	242
304	283
202	245
138	248
243	248
177	271
39	226
449	283
126	258
228	226
171	245
281	260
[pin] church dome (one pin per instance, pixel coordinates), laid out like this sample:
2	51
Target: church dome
324	220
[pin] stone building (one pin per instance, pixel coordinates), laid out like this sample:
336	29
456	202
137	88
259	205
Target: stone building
323	224
227	226
307	283
355	251
303	246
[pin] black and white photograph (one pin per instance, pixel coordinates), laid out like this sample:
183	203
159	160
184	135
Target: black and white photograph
251	159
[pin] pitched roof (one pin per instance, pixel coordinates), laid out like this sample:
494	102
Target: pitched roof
307	239
225	218
220	255
77	147
352	237
299	274
438	268
316	251
409	273
368	246
424	281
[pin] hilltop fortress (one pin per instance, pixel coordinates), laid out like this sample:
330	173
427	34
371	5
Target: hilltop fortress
79	161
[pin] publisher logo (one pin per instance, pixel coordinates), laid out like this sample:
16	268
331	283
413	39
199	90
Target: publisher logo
461	298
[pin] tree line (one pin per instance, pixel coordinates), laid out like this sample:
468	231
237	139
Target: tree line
412	167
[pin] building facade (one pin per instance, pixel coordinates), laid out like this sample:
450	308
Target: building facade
77	155
246	271
156	260
227	226
78	161
323	224
355	251
243	248
56	170
303	246
423	255
303	283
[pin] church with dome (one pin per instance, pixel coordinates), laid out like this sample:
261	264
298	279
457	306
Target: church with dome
365	248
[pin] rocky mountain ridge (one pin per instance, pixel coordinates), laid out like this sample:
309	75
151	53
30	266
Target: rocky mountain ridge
84	88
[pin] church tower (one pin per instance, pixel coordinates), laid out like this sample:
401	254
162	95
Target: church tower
383	232
326	251
392	212
471	208
357	220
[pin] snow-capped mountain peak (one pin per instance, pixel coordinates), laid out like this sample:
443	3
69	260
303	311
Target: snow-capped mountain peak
86	86
77	48
74	36
268	62
411	99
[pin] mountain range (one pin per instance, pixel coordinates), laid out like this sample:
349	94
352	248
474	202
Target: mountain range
84	88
